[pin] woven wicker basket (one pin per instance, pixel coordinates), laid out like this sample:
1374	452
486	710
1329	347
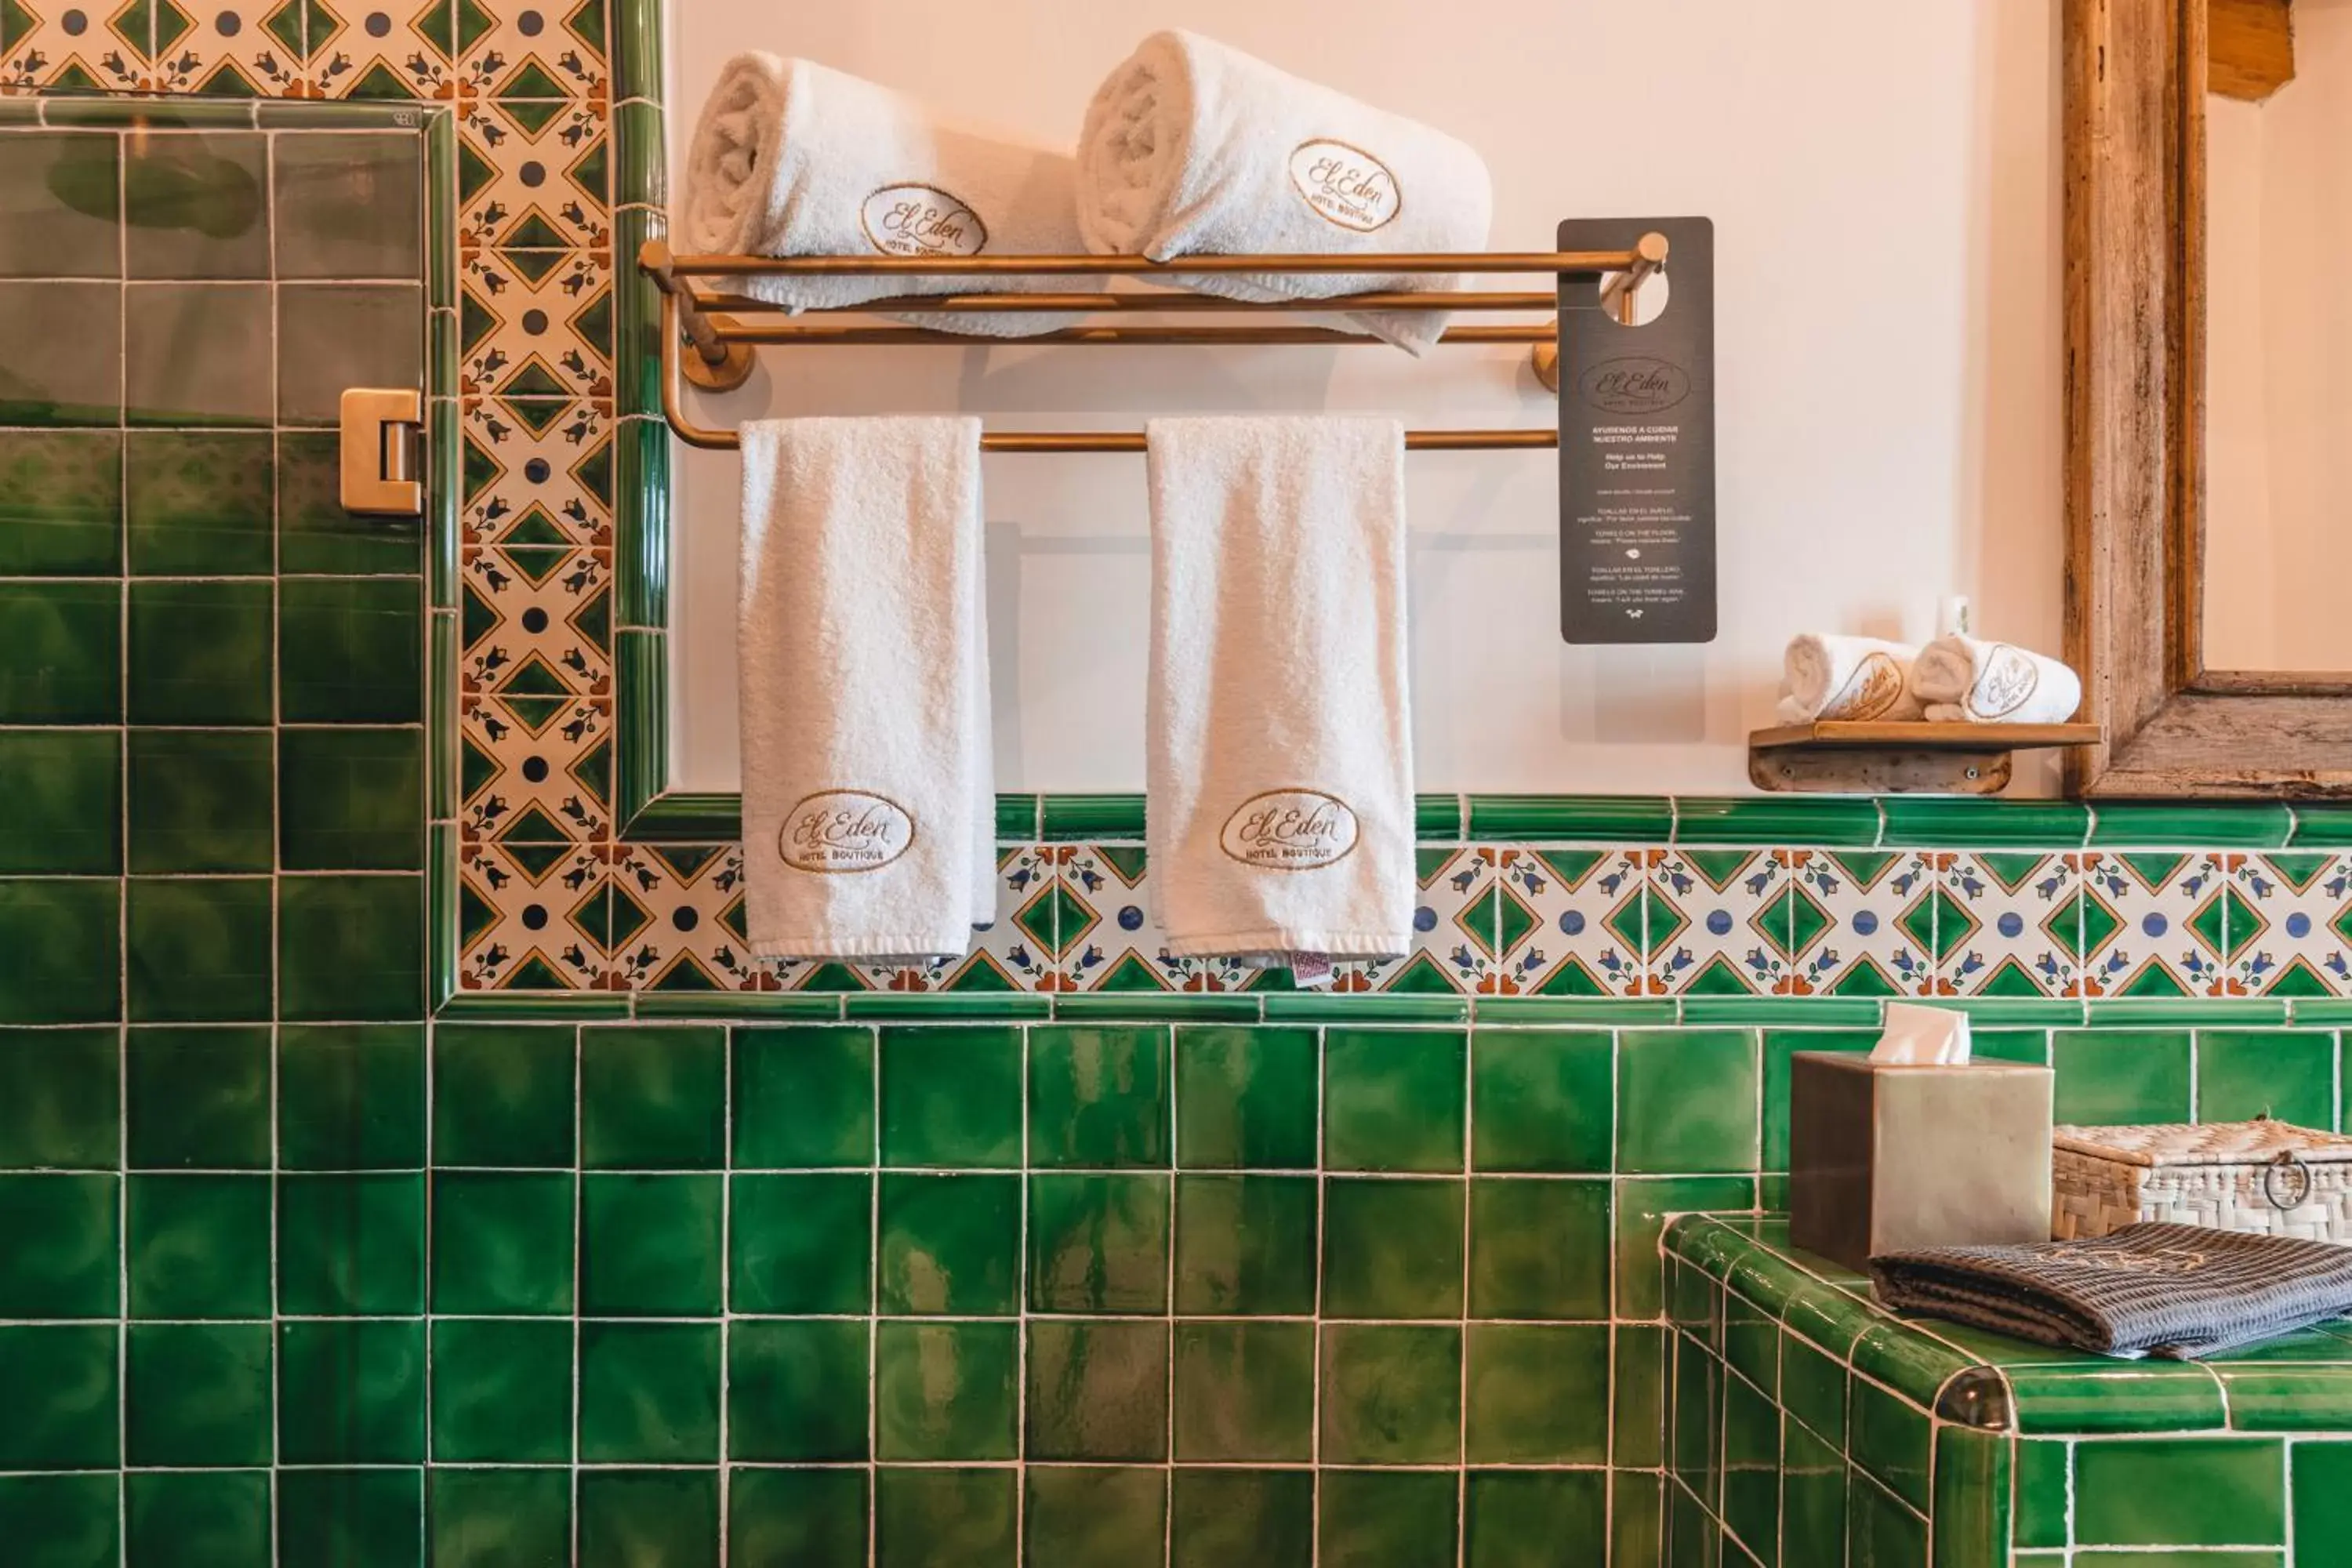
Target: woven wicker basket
2268	1177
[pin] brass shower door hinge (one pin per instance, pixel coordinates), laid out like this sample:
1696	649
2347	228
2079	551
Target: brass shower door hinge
383	440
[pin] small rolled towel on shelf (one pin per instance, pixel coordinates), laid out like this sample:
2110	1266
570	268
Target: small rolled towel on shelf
1963	680
1278	739
1829	676
792	158
1191	148
862	647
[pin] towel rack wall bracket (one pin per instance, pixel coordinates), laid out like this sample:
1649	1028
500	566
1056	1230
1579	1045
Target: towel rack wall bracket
1848	757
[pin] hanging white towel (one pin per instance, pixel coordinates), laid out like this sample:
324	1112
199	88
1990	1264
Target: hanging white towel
1192	148
1828	677
791	158
1278	739
868	796
1963	680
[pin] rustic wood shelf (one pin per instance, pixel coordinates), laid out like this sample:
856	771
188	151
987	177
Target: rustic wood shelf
1842	756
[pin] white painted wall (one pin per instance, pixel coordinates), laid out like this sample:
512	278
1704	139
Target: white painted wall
2279	362
1884	180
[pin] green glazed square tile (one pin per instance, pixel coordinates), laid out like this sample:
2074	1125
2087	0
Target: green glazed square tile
1393	1248
349	205
194	1519
198	1247
58	1096
334	335
1637	1396
201	800
2040	1482
196	204
649	1245
944	1518
61	1521
802	1244
350	650
1686	1100
803	1096
1246	1097
349	1518
198	949
316	536
1636	1518
351	1098
815	1518
60	953
351	948
1220	1517
198	1394
1812	1497
1244	1391
1642	1204
60	503
1694	1423
1538	1393
503	1095
58	1383
1246	1245
2321	1488
2288	1075
951	1098
501	1242
482	1519
1751	1466
1391	1395
64	353
1393	1099
1520	1519
2179	1491
1889	1438
649	1392
1097	1389
796	1390
947	1391
1099	1243
501	1391
65	790
60	653
950	1245
61	1230
1541	1100
1096	1516
350	800
351	1245
60	204
1387	1518
1099	1097
199	652
201	504
1539	1248
351	1391
2108	1077
198	354
653	1098
629	1519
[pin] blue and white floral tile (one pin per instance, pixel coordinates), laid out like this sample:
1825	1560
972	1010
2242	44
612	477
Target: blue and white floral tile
1861	923
2007	924
1012	953
2289	930
537	916
1571	920
1717	921
2153	923
1456	945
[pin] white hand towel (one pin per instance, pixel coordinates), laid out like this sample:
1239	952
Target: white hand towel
791	158
1963	680
1191	148
1827	676
1279	738
869	798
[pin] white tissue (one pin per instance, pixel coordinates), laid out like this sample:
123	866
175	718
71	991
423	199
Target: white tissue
1923	1034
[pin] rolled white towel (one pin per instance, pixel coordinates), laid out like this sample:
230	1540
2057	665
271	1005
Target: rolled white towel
792	158
1960	680
1829	676
1191	148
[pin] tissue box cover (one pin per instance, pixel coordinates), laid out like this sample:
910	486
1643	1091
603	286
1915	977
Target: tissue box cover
2271	1178
1887	1156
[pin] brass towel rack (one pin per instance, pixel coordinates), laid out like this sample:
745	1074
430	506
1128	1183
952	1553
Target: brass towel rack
706	341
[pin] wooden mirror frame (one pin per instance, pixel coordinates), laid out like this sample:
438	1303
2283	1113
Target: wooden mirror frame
2135	83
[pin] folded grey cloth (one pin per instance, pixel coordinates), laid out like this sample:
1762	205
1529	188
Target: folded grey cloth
2176	1290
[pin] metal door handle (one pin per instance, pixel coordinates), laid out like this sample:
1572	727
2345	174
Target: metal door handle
384	434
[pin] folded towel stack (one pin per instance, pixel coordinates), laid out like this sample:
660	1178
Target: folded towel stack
1828	677
1960	679
2178	1292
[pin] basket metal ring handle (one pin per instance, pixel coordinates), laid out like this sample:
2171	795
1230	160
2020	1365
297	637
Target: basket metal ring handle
2286	1161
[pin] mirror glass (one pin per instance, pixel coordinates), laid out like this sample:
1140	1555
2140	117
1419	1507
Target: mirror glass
2278	336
